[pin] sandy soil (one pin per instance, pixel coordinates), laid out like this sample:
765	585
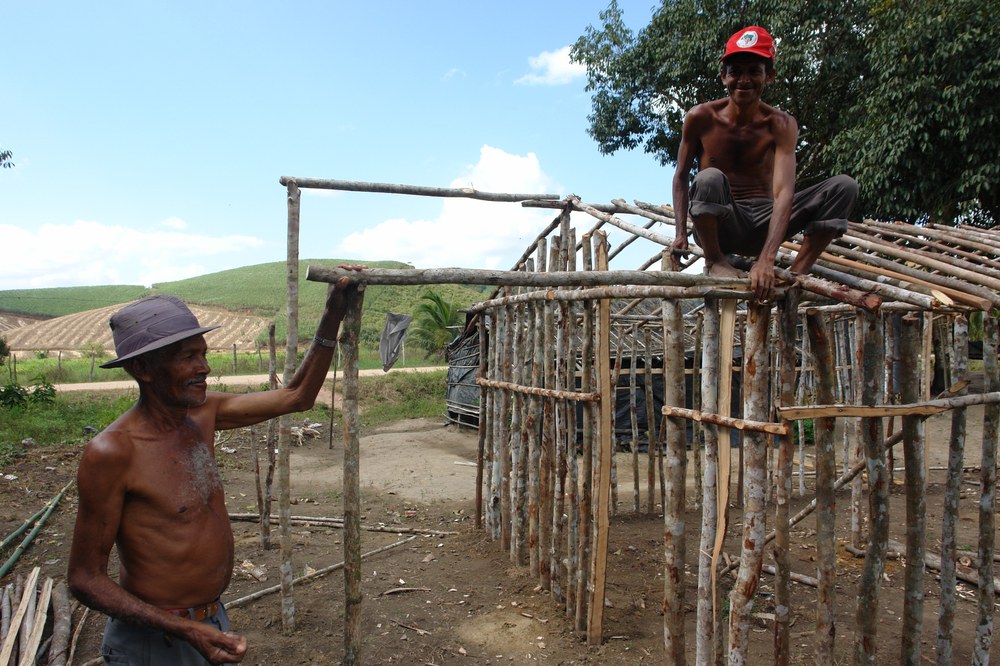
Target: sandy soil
469	604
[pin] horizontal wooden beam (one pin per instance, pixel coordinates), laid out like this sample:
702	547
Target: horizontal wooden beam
725	421
418	190
925	408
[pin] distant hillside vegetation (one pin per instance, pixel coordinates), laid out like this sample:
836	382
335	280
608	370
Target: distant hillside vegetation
258	291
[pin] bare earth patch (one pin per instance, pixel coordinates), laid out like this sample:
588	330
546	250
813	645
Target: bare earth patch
471	605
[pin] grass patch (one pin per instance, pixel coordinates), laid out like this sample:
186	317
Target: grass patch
58	423
390	397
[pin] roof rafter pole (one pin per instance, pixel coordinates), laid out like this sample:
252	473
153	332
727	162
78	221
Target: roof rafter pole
633	229
554	278
929	238
756	376
705	622
987	502
621	291
959	342
882	266
674	481
945	234
787	335
971	233
871	353
946	267
414	190
595	619
915	480
819	340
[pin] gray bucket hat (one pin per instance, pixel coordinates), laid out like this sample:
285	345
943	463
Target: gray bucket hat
151	323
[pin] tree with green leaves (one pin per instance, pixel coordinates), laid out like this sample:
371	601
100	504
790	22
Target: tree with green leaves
900	95
5	159
436	323
926	137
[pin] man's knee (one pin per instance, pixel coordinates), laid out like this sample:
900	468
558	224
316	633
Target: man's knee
845	186
710	179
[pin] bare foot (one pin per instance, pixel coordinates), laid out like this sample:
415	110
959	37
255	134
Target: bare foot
723	269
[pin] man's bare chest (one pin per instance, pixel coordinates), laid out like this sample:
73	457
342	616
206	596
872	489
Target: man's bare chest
176	477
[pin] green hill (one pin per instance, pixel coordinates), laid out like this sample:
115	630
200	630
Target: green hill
258	290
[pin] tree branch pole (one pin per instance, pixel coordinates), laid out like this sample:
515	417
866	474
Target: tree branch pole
412	190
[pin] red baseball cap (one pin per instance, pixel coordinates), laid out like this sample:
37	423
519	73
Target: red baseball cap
752	39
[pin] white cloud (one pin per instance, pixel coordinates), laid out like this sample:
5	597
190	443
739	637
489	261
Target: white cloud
174	223
91	253
454	73
552	68
466	232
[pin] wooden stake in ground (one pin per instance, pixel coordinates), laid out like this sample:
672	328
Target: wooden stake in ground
915	476
284	422
987	502
949	519
871	351
351	329
819	339
756	374
705	632
675	480
787	333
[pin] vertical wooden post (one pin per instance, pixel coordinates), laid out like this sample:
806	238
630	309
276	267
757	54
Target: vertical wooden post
705	631
871	350
915	476
697	438
534	441
987	501
653	443
483	417
953	488
284	421
787	334
595	619
756	375
819	339
517	486
675	479
558	450
543	323
586	490
352	479
573	497
634	420
504	460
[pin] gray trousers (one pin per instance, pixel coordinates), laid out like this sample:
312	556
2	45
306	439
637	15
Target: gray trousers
131	644
743	224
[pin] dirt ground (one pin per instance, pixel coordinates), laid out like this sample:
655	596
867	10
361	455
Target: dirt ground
467	604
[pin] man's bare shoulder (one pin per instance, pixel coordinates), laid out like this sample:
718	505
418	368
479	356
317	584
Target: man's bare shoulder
706	112
111	448
780	120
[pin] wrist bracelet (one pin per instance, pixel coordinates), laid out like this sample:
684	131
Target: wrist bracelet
323	342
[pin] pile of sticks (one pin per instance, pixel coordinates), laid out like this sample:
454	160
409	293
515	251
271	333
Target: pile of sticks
27	634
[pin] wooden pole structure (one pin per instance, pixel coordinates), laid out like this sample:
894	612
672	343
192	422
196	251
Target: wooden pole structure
493	519
590	430
953	488
675	480
546	505
351	330
787	334
707	598
871	349
756	376
634	421
558	455
698	443
653	444
284	421
819	338
915	478
574	512
595	618
532	424
987	502
504	459
482	425
517	487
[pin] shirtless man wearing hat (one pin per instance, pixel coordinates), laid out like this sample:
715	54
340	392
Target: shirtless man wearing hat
743	199
148	483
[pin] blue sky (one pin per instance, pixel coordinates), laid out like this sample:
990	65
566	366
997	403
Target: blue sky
149	137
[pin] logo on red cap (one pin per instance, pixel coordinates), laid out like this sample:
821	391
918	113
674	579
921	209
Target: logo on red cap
753	40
